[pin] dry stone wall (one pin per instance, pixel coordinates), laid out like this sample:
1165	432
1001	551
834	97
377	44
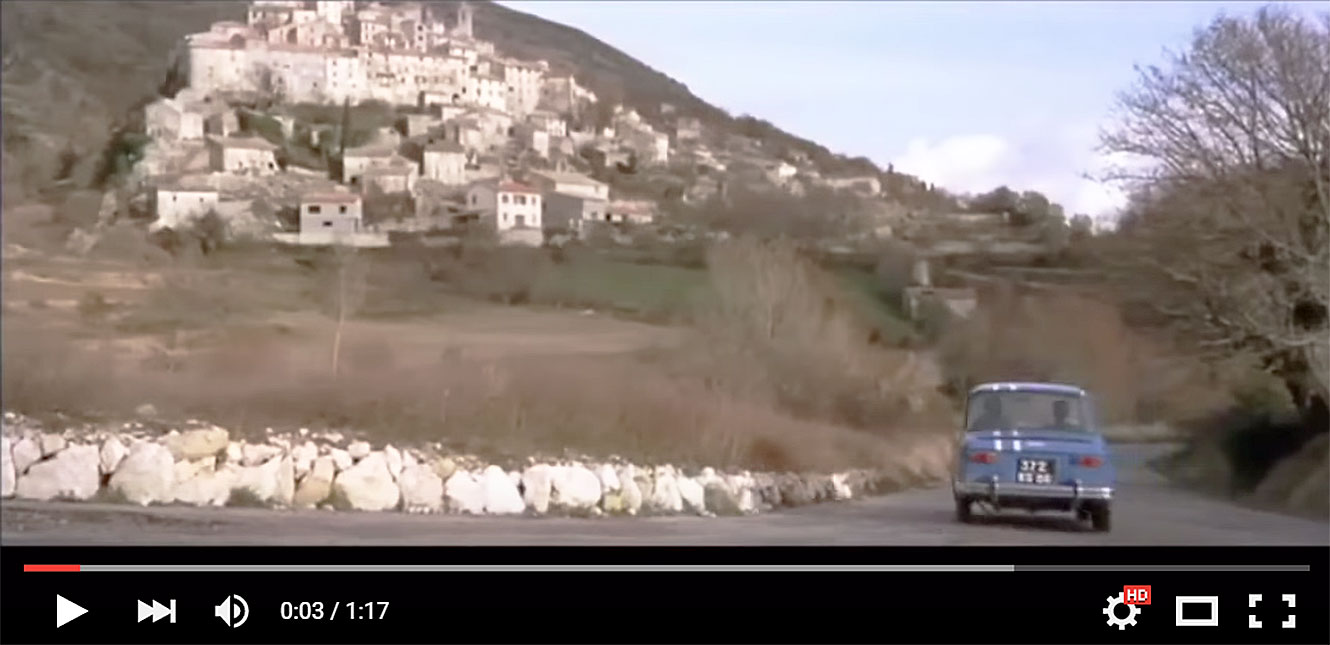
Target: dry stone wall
200	464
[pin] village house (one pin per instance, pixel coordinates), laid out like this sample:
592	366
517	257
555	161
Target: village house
177	202
221	124
564	212
325	217
562	95
532	138
172	120
242	155
495	126
421	124
630	211
866	184
570	183
396	174
445	162
355	161
512	205
467	132
549	122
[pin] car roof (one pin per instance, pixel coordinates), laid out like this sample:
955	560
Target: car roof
1028	386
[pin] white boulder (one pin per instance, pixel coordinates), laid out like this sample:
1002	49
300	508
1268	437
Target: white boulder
341	459
575	487
303	456
197	444
393	457
694	495
146	475
257	454
537	483
422	489
316	485
201	483
609	480
367	486
665	495
71	474
113	451
501	495
629	490
272	481
8	477
26	452
359	449
52	443
465	493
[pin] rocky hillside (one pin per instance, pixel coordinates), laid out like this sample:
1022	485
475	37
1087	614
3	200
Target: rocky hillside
74	70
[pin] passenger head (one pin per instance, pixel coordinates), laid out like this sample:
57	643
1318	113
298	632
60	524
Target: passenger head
1060	411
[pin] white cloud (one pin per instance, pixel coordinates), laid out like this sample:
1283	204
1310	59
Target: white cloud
1053	162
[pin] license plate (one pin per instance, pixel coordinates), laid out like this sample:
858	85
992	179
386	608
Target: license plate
1034	471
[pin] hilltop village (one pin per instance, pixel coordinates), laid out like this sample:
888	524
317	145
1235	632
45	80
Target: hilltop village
315	122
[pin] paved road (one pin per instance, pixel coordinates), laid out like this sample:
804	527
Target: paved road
1147	512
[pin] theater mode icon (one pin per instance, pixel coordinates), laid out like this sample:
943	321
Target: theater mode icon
1211	618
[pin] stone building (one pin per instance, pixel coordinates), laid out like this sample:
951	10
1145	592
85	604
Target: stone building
169	119
242	155
177	202
445	162
512	205
570	183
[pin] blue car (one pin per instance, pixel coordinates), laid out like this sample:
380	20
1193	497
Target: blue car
1034	446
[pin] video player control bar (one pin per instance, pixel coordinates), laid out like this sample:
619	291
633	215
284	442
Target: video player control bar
650	568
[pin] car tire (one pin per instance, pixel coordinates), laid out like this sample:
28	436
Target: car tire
963	510
1101	518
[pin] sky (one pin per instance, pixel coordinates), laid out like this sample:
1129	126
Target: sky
968	95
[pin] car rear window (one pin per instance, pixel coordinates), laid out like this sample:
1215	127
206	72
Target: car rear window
1022	410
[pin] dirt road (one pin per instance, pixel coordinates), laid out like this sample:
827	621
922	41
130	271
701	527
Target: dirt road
1147	512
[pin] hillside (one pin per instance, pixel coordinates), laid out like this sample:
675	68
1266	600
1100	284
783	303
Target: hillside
73	70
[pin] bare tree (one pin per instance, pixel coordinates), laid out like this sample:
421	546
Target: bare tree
1231	210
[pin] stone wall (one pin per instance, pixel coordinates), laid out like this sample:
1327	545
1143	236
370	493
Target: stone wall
203	465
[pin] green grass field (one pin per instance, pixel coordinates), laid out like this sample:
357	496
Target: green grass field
653	291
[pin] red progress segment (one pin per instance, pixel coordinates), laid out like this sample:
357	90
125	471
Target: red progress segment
50	567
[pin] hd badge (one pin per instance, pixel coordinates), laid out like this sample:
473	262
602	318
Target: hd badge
1134	597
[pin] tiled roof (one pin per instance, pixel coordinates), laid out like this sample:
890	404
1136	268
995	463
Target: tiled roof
330	198
516	187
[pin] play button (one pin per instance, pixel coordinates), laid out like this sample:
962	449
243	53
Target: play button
65	611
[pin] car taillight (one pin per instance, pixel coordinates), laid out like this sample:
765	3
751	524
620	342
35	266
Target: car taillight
984	457
1091	462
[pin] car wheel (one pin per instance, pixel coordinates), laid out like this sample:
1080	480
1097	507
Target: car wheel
1101	518
963	509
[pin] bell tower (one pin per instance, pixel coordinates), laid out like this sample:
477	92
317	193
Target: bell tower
465	13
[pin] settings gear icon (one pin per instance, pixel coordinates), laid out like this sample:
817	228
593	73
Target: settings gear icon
1111	612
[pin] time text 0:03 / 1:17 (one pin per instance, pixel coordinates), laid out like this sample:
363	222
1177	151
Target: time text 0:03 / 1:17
319	610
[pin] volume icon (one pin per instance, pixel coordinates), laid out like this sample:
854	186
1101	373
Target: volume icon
233	611
156	610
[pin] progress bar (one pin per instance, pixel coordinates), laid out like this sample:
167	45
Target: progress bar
651	568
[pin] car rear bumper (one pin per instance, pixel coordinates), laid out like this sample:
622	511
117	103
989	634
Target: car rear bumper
1000	490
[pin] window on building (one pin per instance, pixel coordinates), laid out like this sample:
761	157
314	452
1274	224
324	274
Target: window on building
327	223
474	199
314	209
503	198
521	199
341	209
